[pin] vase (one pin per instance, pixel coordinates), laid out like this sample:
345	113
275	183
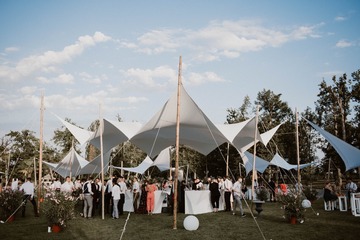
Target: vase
55	228
11	218
293	220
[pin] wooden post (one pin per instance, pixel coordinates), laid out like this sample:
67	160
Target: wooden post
227	159
254	172
102	166
298	151
177	148
40	151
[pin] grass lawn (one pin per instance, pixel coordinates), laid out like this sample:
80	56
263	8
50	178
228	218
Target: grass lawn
222	225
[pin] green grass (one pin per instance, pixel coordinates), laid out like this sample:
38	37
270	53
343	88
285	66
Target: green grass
221	225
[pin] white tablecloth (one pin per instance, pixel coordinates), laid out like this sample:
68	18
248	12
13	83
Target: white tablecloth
198	202
159	198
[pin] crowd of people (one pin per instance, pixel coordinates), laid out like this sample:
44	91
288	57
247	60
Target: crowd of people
89	191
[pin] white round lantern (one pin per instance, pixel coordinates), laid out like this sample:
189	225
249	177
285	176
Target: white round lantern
306	203
191	223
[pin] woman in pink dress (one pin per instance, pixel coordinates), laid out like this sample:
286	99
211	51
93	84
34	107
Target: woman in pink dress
150	199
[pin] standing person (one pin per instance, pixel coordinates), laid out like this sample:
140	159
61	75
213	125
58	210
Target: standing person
56	186
115	193
150	200
143	198
238	195
88	198
272	190
28	189
122	185
136	193
214	194
228	189
108	198
68	186
96	196
350	187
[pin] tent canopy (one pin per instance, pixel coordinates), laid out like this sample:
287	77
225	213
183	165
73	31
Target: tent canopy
114	133
348	153
196	129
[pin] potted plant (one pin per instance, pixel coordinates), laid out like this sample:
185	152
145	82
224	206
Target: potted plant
58	208
310	194
262	195
292	205
10	202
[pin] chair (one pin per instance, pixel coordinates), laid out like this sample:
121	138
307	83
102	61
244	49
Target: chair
329	205
355	204
342	203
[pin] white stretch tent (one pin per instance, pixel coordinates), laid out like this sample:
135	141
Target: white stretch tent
114	133
82	135
196	129
280	162
94	166
162	161
144	165
248	158
70	165
348	153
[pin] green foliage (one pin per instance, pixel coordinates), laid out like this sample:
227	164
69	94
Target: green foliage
292	205
9	201
310	193
58	208
262	194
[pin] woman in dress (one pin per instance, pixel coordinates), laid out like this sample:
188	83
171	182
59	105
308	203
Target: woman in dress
150	200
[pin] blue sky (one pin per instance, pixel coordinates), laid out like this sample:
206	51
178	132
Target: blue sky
123	55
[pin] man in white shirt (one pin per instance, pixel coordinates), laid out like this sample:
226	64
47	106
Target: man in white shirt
88	198
28	189
68	186
122	185
228	189
238	194
56	185
108	196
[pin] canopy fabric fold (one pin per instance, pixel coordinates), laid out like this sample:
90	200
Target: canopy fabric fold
94	166
114	133
70	165
82	135
162	161
248	159
348	153
144	165
280	162
196	129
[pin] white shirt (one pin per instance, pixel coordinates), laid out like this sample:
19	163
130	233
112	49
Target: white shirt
115	193
237	188
28	188
67	187
56	185
122	187
109	186
228	185
135	187
14	185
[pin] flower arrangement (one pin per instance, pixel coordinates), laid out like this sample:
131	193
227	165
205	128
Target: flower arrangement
58	208
10	201
262	194
292	205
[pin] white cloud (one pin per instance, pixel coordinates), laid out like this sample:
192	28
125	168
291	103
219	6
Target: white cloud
343	44
28	90
340	18
64	79
86	77
11	49
48	60
153	78
201	78
220	39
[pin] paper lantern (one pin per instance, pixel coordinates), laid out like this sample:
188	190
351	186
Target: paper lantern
306	203
191	223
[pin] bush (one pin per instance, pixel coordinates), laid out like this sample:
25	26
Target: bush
9	201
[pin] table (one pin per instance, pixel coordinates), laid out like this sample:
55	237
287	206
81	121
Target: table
159	198
198	202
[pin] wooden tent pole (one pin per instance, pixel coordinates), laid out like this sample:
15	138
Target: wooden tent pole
177	147
101	126
40	151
